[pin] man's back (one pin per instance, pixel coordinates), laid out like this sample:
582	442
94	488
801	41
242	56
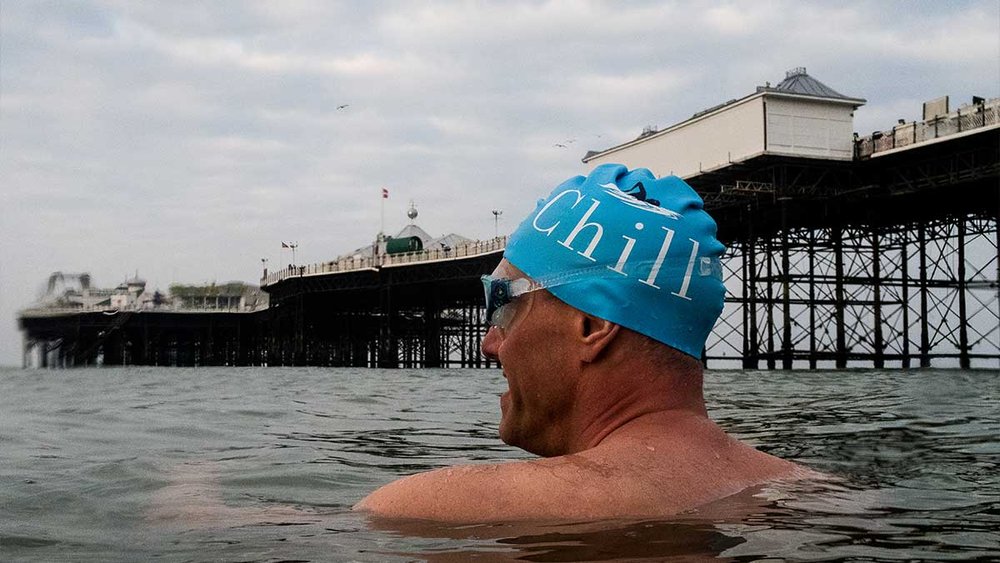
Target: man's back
657	466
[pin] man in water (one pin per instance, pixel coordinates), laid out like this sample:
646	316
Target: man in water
599	313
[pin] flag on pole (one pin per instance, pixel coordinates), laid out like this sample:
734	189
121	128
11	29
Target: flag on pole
385	193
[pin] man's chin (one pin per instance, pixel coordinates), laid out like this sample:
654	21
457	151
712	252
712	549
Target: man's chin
510	431
505	437
507	434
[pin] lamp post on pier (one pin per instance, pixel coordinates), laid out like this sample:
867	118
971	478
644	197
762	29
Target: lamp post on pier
496	222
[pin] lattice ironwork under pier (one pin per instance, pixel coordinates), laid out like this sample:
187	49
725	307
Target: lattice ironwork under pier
889	262
863	295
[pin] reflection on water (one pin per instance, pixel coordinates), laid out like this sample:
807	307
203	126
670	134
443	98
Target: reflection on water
87	454
653	541
644	540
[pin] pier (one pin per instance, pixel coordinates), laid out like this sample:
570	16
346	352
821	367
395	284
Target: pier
419	309
877	251
69	338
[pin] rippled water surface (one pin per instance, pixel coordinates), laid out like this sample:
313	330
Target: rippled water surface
252	464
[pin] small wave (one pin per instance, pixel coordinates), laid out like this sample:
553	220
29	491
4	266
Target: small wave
26	541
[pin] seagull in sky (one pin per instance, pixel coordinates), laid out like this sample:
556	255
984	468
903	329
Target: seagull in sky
343	106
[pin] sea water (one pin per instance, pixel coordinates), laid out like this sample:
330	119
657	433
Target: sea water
263	464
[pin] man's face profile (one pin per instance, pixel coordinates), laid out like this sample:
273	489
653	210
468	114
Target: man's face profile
530	349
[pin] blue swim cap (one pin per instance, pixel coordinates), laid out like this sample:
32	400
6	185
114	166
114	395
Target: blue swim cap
629	248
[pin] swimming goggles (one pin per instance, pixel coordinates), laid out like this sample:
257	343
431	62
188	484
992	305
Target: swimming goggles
500	292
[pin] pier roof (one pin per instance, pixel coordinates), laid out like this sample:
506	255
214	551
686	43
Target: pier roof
798	82
412	230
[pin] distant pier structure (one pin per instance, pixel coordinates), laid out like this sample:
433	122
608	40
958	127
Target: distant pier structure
420	308
843	251
77	325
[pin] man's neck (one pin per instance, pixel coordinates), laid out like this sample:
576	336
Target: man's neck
610	402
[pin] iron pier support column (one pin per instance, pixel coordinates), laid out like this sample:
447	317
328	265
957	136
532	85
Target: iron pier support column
299	344
963	331
274	337
925	345
745	305
752	358
769	256
905	279
432	331
840	354
879	341
387	352
786	297
144	351
812	299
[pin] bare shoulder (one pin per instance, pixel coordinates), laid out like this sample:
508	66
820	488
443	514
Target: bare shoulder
637	475
469	493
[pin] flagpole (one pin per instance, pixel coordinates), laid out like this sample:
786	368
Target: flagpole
381	227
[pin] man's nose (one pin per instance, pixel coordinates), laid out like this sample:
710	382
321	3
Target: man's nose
491	343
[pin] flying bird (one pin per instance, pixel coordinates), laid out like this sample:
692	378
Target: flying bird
343	106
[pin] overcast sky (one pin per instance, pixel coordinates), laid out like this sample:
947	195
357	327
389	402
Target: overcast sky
185	140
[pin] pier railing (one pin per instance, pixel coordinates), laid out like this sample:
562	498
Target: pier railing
355	263
47	311
986	114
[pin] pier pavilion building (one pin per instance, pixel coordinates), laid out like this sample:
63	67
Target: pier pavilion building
800	117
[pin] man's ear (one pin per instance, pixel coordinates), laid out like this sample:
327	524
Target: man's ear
594	335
